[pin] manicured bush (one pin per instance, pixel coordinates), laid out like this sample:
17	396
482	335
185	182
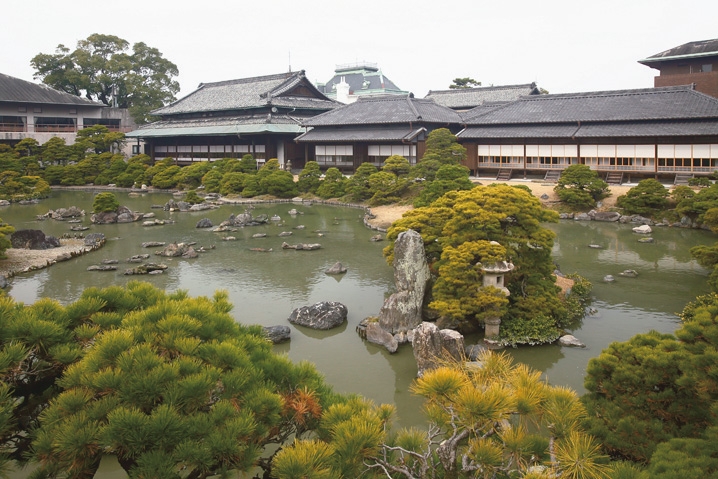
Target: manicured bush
649	196
105	202
332	185
580	187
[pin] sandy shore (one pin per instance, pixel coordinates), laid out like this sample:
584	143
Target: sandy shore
386	215
23	260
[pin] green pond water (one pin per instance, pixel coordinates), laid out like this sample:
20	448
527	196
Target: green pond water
266	287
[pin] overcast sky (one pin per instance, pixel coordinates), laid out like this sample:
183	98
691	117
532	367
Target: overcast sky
564	46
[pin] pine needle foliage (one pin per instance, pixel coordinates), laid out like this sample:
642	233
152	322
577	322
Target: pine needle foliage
497	420
171	385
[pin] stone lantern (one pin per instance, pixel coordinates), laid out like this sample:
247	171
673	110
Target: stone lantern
493	275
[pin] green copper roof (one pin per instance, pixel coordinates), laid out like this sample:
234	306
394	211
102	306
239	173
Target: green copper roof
215	130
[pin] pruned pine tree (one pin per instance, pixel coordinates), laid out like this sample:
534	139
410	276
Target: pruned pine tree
171	385
496	420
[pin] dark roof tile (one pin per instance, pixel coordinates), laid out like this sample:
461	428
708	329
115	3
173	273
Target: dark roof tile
465	98
668	103
20	91
246	93
389	109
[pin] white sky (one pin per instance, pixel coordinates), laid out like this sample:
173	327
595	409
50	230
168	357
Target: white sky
562	45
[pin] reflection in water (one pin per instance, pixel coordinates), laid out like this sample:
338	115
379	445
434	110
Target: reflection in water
266	287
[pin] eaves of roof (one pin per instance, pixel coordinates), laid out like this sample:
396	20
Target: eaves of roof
648	60
215	130
592	130
359	134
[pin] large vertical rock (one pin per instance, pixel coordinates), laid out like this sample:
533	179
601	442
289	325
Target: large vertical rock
432	345
402	310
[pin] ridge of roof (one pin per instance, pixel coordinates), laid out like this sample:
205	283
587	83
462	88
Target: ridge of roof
665	103
237	81
606	93
483	88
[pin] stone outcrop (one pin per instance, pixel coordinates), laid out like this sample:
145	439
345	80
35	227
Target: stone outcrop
122	215
277	334
402	310
432	345
643	230
177	249
336	268
245	219
95	240
302	246
322	315
33	239
204	223
148	268
374	333
571	341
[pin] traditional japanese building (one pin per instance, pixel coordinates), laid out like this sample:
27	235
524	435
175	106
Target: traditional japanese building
260	116
464	99
357	80
625	135
692	63
30	110
373	129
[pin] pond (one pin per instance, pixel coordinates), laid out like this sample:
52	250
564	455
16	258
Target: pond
266	287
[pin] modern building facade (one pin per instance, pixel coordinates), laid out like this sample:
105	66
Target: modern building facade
692	63
30	110
260	116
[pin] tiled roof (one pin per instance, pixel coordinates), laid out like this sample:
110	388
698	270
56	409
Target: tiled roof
704	48
570	131
465	98
20	91
246	93
360	134
651	129
219	125
388	109
518	131
668	103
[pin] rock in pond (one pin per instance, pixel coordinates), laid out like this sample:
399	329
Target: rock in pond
277	334
336	268
322	315
643	230
570	340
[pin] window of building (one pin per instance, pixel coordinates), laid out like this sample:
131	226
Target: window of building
55	124
340	156
379	153
135	149
111	123
12	123
707	68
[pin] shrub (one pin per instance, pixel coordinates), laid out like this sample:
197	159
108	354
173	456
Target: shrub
649	196
309	178
278	183
105	203
193	198
333	184
580	186
701	181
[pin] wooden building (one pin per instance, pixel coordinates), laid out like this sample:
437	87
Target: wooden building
625	135
260	116
30	110
372	129
692	63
